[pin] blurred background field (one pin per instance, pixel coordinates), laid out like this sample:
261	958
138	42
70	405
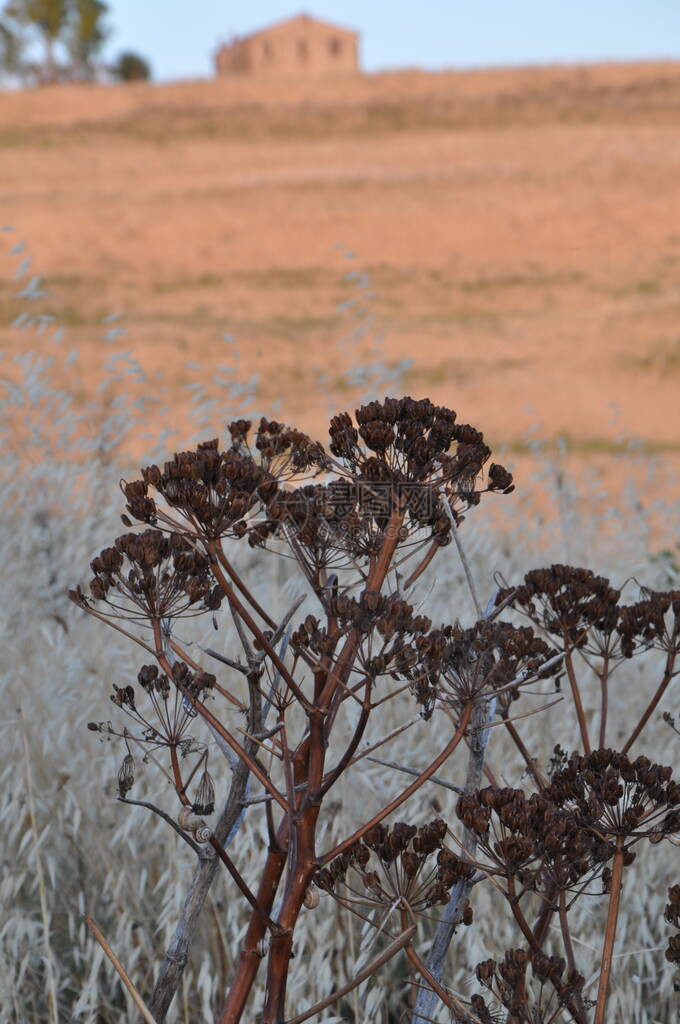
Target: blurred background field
467	202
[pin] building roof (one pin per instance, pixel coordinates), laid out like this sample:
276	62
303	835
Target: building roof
298	20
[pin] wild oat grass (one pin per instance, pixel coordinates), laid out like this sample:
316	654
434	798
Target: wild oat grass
69	847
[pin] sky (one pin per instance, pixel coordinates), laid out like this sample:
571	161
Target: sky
179	38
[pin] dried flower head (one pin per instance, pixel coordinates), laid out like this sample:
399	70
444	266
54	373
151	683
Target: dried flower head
151	575
412	454
163	713
567	602
672	916
390	622
651	622
397	867
225	493
612	796
531	838
531	987
214	491
455	666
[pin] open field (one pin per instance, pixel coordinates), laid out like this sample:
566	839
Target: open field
471	201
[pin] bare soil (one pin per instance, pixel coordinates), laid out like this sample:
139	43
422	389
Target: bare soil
519	233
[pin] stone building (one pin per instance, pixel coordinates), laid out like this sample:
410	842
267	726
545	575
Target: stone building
299	46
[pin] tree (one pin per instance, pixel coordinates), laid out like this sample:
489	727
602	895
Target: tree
130	67
49	18
11	46
87	34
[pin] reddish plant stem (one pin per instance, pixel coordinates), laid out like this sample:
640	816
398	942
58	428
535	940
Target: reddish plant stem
114	625
519	916
247	618
226	564
374	581
410	790
177	775
604	701
236	875
576	694
665	683
251	958
530	762
303	861
610	932
302	865
420	569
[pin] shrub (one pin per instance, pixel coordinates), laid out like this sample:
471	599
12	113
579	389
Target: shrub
130	67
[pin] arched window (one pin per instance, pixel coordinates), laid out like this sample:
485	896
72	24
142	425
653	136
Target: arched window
267	50
302	50
334	46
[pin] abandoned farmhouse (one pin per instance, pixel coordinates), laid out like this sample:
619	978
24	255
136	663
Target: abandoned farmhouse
297	46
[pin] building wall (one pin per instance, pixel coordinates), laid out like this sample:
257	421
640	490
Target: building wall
232	59
301	46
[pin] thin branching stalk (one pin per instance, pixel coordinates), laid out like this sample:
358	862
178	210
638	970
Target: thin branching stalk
97	934
610	933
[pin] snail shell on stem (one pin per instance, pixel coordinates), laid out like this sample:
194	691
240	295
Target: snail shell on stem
311	900
190	822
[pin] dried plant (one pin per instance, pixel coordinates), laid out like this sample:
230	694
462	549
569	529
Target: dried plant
303	699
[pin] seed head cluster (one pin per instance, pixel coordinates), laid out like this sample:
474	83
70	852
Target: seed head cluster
456	665
532	839
567	602
390	619
652	622
612	796
152	575
672	916
392	866
530	986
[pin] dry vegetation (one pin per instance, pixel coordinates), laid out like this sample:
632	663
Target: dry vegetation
69	847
